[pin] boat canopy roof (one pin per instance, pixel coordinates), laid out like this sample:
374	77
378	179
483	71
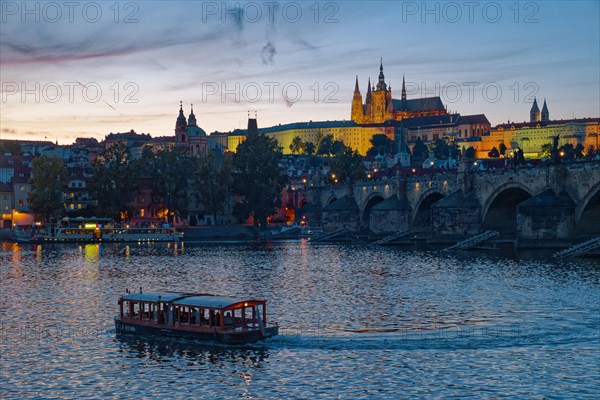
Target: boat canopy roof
153	297
191	299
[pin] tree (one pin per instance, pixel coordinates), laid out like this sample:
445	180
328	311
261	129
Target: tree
420	151
494	153
347	166
470	153
297	146
114	181
381	144
309	148
49	178
324	145
212	184
257	177
502	149
337	146
169	170
442	150
546	151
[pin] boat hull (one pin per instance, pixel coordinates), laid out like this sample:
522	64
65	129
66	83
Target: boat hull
227	337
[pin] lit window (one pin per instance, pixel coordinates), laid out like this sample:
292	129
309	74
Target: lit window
72	206
79	206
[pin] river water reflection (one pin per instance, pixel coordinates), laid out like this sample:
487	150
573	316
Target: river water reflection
357	322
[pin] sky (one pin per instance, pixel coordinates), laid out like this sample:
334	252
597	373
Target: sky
89	68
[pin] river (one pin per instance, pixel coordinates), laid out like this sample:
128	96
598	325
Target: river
356	321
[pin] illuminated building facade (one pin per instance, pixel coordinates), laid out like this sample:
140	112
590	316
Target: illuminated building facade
531	136
379	106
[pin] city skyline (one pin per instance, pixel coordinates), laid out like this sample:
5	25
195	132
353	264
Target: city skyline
88	70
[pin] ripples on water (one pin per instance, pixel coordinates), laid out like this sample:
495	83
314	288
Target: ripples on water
357	322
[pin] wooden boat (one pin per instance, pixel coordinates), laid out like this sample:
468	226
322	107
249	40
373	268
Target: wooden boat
194	316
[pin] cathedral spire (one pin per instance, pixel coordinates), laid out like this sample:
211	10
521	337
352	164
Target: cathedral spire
534	114
356	114
368	97
545	112
381	83
403	89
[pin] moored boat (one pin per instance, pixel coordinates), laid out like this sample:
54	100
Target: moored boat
97	235
194	316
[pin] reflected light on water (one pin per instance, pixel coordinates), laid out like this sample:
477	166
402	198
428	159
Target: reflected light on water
356	322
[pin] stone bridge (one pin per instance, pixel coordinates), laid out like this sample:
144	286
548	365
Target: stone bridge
537	203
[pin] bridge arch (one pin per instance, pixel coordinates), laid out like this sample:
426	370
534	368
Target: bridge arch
365	211
421	214
499	211
588	212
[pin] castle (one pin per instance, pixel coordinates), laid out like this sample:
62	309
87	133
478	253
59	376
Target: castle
379	106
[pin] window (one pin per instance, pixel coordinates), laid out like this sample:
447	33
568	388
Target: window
79	206
72	206
21	187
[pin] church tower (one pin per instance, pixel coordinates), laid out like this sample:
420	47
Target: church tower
192	117
356	114
380	110
368	99
403	89
181	126
545	113
534	114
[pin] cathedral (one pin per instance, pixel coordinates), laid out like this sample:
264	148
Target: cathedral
379	106
189	134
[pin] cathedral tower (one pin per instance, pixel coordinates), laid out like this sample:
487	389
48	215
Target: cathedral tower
357	104
534	114
545	113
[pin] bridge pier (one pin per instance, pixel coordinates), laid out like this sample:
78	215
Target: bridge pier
545	219
457	214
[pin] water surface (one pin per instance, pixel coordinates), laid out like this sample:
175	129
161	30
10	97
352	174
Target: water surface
356	322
